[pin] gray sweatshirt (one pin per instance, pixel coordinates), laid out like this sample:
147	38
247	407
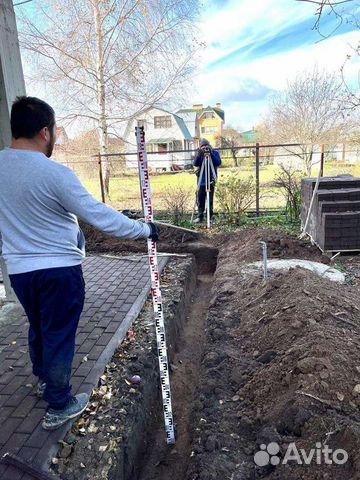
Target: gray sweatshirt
40	201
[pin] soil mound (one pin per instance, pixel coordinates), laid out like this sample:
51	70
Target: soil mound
281	367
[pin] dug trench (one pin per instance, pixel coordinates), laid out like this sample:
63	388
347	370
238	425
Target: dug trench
253	363
122	435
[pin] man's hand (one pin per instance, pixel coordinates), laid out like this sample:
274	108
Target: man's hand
155	232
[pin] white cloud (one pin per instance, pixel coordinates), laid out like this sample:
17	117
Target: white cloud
246	21
249	21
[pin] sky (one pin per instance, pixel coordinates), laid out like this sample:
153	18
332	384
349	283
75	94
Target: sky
254	47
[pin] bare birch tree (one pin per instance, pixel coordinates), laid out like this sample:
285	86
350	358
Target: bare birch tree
106	60
309	112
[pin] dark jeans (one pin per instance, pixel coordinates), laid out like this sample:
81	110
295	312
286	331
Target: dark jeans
201	200
53	300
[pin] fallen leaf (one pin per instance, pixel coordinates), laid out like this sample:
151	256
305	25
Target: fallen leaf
93	428
340	396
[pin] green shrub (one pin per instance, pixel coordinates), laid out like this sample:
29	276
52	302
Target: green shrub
235	195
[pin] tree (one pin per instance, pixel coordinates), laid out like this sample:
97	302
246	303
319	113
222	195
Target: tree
230	139
345	12
335	8
308	112
107	60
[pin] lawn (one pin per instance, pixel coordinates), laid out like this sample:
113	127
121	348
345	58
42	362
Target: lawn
124	191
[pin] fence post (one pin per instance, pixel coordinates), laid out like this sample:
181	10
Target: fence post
101	179
322	160
257	167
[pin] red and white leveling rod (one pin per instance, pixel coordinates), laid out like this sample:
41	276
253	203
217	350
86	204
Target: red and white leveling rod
155	289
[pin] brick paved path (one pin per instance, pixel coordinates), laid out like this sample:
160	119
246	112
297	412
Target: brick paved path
116	290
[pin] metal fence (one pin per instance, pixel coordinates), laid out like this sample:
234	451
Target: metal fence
171	170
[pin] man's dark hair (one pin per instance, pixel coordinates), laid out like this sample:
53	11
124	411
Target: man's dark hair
29	115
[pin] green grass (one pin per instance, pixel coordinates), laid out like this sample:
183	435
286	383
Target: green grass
124	191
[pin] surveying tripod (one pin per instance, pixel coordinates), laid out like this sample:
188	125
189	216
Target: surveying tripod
207	169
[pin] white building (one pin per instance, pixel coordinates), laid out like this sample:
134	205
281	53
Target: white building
165	134
292	157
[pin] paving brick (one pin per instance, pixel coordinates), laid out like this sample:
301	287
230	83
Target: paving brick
15	399
105	307
23	360
8	427
118	303
98	302
15	354
37	438
78	359
29	424
5	364
25	407
105	322
84	368
81	337
86	346
5	412
124	308
104	339
112	328
85	326
15	443
96	333
3	399
76	383
95	352
12	386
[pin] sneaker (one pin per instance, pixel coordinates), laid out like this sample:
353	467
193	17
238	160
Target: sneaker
199	220
75	406
40	389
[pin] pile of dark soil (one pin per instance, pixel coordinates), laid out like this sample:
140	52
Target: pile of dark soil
244	246
99	242
281	365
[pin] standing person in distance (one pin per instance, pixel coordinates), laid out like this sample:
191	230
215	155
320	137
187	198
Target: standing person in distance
201	194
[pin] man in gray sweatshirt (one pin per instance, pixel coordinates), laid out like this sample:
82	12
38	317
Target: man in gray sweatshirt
43	248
